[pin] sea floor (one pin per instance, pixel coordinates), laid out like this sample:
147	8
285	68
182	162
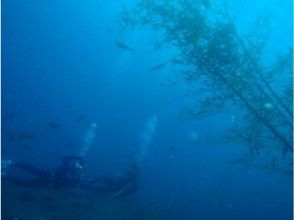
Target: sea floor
22	203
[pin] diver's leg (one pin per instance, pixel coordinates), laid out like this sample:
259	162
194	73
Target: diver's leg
42	176
24	182
39	172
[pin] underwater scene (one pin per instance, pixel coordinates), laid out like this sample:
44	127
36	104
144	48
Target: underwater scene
147	110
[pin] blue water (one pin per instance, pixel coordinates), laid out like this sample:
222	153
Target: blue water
60	64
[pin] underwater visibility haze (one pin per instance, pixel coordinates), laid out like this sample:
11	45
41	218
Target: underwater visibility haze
147	109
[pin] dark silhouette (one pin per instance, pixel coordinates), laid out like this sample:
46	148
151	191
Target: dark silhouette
70	175
67	175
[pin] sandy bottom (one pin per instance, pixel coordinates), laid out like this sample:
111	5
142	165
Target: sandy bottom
21	203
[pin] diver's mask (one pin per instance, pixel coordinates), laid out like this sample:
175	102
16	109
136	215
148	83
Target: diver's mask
78	165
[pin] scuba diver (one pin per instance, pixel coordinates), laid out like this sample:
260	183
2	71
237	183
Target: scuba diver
70	174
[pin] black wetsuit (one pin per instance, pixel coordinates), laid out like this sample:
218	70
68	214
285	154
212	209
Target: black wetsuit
65	176
69	175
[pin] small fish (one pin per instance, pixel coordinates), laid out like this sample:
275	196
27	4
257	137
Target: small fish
172	148
177	61
28	146
80	118
169	84
16	136
8	116
206	3
129	156
70	144
123	46
157	67
238	161
110	31
53	125
259	193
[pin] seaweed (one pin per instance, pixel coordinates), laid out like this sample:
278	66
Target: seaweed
229	66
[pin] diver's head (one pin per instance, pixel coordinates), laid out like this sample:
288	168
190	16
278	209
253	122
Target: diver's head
78	165
74	163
